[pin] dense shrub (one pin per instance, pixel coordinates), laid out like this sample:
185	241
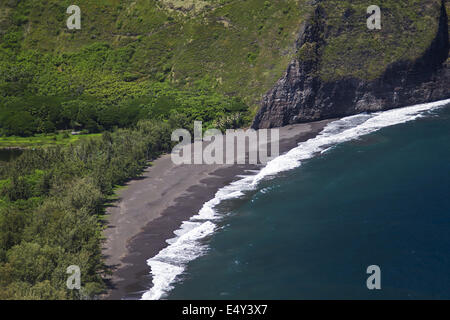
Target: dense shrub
52	204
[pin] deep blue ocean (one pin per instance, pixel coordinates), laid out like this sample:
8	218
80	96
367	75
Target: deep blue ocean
311	232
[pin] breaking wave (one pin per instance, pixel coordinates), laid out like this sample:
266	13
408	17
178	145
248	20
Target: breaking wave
186	246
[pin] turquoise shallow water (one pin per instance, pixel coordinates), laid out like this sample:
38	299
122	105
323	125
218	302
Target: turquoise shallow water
310	233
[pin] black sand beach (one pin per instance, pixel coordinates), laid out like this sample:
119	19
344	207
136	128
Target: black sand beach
151	208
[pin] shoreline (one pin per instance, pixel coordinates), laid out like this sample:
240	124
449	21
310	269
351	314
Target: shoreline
153	206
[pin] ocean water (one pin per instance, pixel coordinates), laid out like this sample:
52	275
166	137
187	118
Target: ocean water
371	189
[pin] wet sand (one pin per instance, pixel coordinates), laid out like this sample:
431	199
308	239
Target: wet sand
152	207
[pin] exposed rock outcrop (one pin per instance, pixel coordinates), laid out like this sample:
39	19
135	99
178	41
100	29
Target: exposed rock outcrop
302	96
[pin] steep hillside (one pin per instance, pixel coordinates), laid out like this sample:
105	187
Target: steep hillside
141	49
137	70
158	52
343	68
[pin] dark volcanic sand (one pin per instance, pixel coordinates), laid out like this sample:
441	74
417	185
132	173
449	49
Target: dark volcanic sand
151	208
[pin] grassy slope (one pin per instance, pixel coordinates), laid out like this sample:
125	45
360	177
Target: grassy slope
123	48
408	28
42	140
243	47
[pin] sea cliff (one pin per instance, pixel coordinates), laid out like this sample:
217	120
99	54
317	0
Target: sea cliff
312	90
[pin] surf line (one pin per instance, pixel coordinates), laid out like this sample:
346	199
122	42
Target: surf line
186	246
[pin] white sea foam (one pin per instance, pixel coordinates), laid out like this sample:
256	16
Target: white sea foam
186	246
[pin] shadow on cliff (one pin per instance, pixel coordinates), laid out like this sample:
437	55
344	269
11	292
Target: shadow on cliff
301	96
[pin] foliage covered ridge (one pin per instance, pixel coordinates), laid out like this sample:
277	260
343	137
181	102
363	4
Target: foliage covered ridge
344	67
408	28
132	59
136	71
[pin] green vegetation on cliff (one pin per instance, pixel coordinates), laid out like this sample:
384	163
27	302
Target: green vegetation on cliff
133	58
408	28
132	55
135	71
160	60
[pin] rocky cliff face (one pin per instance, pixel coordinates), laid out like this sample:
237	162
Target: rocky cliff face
302	95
